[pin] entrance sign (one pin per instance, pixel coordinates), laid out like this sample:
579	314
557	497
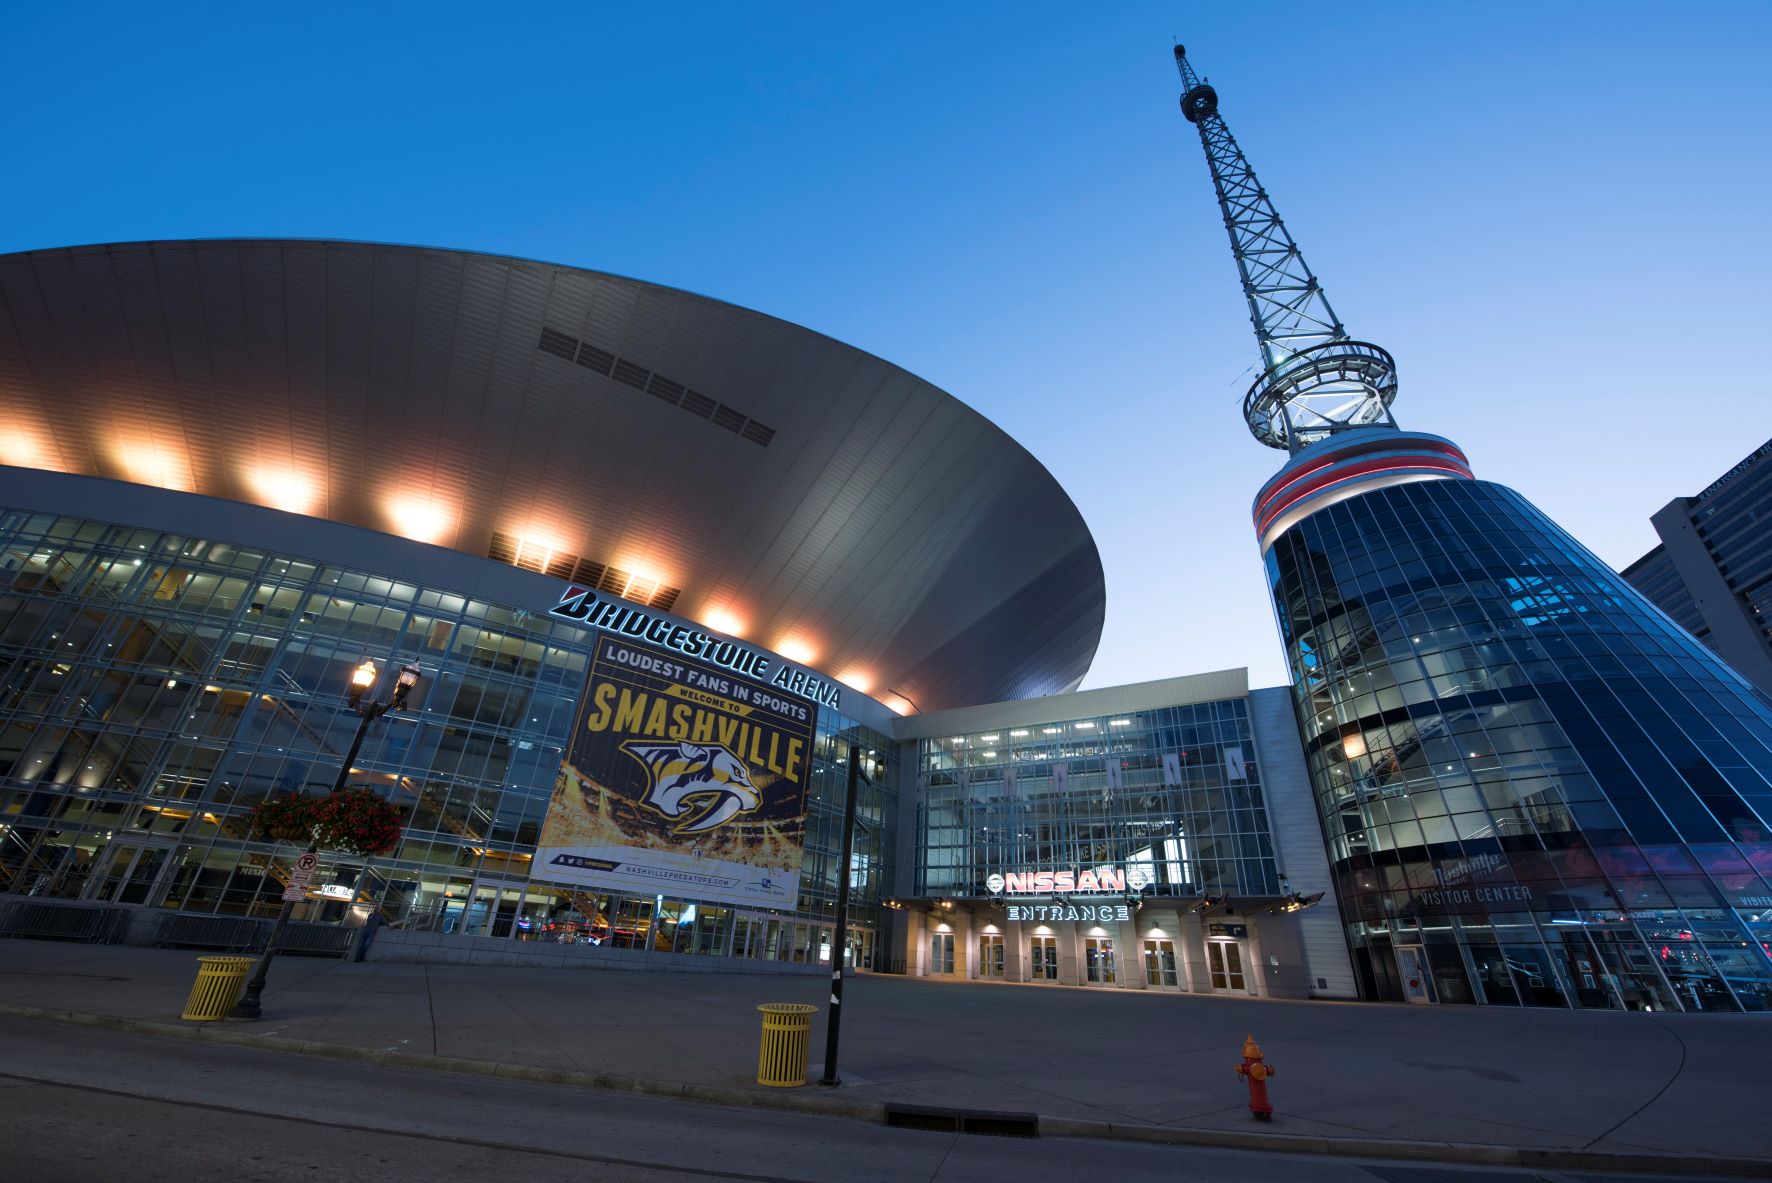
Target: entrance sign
681	777
1025	913
1107	878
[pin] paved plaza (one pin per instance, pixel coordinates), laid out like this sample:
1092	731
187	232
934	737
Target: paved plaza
1083	1059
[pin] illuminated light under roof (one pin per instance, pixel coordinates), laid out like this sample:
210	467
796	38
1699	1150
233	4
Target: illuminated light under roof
1018	734
1119	722
860	679
1051	730
990	738
23	449
724	620
150	463
284	488
536	547
796	649
419	518
1086	725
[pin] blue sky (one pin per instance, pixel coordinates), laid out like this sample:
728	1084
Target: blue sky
1555	215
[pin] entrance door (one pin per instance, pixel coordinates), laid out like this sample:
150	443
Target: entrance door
941	953
1098	959
1412	961
1224	965
131	873
1159	965
1044	951
990	957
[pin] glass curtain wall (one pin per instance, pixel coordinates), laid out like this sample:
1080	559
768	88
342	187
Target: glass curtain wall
1524	771
154	687
1176	790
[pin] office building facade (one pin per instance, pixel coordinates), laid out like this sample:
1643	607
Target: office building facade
1712	571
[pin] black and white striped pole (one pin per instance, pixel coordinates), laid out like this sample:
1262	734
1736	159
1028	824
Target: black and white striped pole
840	944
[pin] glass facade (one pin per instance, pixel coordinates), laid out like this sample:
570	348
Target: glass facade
1175	790
1535	789
154	687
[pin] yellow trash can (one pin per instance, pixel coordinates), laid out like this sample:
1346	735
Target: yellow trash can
218	985
787	1038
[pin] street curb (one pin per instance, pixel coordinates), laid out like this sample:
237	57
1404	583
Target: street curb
826	1104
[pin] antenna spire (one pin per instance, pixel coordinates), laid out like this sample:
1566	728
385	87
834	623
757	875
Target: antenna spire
1315	380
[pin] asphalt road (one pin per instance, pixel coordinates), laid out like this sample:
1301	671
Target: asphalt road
79	1104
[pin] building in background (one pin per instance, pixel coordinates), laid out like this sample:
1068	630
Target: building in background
1713	570
1534	788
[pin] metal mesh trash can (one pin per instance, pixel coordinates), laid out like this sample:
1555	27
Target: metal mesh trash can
219	980
787	1039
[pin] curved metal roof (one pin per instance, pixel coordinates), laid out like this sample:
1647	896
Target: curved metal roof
732	467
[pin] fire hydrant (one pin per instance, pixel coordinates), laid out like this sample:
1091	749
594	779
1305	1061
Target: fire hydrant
1257	1072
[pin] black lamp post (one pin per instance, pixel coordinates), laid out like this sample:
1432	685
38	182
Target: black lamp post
362	680
834	1020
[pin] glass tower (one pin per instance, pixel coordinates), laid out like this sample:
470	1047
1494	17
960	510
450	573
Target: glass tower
1535	788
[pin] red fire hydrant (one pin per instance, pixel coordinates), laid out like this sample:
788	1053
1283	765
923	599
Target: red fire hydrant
1257	1072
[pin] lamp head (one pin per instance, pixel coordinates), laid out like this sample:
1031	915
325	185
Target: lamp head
409	676
362	678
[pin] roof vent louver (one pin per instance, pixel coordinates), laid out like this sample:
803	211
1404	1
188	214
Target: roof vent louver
508	549
558	344
592	358
664	389
633	375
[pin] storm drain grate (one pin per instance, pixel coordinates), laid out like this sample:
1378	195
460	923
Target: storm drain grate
963	1121
570	348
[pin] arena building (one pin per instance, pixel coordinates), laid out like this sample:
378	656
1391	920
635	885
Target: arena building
236	470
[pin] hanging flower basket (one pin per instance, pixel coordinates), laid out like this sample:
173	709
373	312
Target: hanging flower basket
357	821
285	818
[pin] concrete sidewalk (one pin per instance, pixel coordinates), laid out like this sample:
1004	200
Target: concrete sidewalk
1349	1074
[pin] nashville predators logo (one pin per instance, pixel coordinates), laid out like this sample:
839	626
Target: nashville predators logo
699	786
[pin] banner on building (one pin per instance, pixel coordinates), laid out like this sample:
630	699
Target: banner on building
681	779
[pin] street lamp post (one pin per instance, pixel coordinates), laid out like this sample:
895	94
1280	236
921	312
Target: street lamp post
840	946
362	680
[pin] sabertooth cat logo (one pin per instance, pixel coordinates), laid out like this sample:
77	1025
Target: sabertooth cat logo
701	787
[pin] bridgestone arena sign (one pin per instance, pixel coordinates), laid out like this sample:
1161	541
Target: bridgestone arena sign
681	778
581	606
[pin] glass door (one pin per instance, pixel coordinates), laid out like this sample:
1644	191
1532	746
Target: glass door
131	873
1224	965
1098	958
1412	961
1044	954
941	953
1159	965
990	957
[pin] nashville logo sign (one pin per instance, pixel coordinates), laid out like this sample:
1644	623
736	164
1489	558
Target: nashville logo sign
699	787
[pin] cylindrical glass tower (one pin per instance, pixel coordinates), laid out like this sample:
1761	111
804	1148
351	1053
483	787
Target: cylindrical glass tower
1535	788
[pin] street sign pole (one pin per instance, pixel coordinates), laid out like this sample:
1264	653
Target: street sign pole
840	944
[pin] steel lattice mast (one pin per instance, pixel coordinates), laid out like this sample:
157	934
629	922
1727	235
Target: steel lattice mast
1315	380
